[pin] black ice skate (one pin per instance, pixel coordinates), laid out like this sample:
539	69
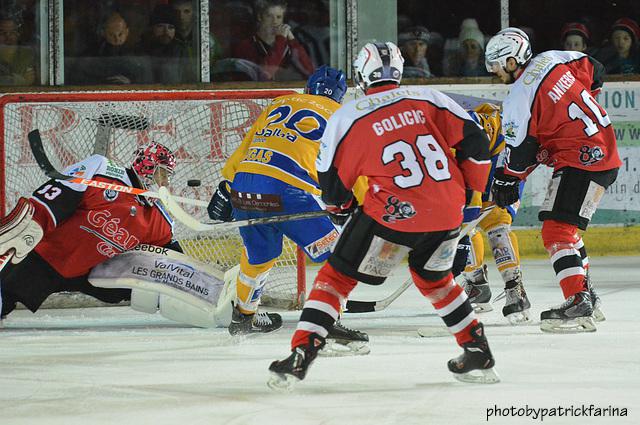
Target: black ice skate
596	302
342	341
574	315
476	286
475	365
517	305
245	324
286	373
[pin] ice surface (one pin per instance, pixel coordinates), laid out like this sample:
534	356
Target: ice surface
113	365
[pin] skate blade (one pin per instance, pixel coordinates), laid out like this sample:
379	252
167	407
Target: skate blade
334	348
482	307
478	376
598	315
281	382
519	318
578	325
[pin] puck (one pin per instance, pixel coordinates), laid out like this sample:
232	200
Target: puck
193	183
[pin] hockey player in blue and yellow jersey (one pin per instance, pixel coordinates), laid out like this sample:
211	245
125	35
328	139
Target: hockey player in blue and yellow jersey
273	172
497	226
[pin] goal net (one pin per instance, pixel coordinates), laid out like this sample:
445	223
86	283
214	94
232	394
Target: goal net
202	128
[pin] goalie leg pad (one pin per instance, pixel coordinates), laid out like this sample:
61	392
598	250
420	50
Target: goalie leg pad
19	232
181	288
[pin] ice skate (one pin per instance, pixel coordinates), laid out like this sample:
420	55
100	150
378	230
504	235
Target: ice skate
342	341
596	302
476	285
517	305
286	373
475	365
245	324
572	316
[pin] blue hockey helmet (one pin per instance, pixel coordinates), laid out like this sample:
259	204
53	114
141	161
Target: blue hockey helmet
329	82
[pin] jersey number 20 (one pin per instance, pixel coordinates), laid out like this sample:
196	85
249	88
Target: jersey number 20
433	157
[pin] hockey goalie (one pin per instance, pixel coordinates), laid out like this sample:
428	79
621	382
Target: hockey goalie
109	245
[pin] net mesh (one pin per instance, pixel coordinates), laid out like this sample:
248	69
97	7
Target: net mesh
202	132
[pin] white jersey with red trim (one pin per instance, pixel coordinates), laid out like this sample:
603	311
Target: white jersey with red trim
401	139
84	226
550	116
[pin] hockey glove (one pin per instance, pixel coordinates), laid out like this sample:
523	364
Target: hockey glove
505	188
340	214
462	255
219	207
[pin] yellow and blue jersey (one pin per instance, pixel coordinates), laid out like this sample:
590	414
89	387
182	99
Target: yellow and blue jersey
487	115
284	141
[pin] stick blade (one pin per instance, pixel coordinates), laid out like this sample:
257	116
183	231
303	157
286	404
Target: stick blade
360	306
37	149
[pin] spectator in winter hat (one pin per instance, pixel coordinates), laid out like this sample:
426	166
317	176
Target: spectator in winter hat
622	56
414	43
166	58
575	36
469	60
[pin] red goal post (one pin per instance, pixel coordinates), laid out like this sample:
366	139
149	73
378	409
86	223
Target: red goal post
202	127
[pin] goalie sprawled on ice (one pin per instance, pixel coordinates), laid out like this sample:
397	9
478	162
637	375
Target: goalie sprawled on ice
70	237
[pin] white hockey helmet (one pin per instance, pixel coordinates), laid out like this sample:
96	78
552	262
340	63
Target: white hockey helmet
378	62
508	43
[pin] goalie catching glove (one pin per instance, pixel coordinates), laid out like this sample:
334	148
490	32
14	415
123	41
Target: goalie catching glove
19	232
505	188
219	207
340	214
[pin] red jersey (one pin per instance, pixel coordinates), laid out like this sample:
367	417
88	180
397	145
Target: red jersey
401	140
84	226
551	117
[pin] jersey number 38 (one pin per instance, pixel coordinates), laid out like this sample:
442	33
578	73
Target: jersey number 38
434	161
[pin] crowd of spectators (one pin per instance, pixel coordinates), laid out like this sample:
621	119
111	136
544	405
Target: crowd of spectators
463	56
159	42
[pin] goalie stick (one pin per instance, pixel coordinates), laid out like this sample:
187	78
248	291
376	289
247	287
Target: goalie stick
170	201
354	306
188	220
35	142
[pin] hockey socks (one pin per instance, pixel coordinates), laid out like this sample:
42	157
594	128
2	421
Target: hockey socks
322	308
451	304
561	241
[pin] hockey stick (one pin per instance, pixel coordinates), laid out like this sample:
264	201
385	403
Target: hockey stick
35	142
170	201
186	218
354	306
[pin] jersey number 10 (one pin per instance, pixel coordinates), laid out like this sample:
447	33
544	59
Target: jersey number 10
434	159
576	112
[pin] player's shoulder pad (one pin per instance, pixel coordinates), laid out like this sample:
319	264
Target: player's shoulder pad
97	165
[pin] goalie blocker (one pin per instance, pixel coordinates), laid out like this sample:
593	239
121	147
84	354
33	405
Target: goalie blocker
180	288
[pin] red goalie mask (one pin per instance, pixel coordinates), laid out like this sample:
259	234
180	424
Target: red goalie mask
148	158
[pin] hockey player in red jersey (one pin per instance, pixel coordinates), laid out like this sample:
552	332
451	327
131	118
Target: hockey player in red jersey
65	229
551	117
401	140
